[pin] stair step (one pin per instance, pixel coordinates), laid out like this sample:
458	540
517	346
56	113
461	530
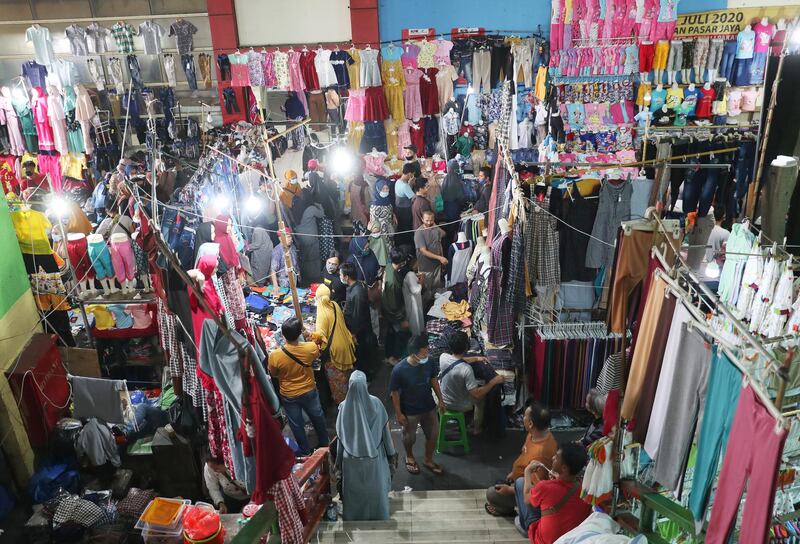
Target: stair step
443	522
440	494
422	515
361	536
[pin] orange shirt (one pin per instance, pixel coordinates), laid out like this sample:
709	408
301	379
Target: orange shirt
541	450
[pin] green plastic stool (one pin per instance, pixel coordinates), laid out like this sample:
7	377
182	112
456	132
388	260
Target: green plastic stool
463	439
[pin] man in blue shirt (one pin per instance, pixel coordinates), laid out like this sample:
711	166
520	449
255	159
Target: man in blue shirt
412	384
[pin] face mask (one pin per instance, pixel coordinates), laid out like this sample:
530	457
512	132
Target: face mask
331	268
424	360
384	194
409	157
294	181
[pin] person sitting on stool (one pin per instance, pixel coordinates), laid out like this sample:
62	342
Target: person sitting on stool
227	494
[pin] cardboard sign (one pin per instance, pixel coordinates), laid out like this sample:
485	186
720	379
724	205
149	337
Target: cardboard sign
729	22
418	33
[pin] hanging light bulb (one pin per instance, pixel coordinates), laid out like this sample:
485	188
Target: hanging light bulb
253	204
342	161
222	201
209	119
59	207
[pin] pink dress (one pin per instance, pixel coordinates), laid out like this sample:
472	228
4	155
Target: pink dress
442	55
10	119
356	104
296	82
403	137
40	116
55	111
411	94
269	70
409	57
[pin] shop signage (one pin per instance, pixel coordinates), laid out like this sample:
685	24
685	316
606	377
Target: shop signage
466	32
727	22
418	33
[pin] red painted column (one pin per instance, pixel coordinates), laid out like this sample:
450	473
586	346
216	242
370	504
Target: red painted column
225	39
364	21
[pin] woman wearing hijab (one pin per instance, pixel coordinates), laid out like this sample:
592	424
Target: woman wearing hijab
294	198
359	203
203	234
394	308
261	255
365	453
308	242
382	212
453	197
362	257
333	336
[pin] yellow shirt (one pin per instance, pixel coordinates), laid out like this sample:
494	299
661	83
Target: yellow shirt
343	352
103	319
72	165
31	228
294	379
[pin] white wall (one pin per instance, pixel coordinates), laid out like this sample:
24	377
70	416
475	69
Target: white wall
279	22
761	3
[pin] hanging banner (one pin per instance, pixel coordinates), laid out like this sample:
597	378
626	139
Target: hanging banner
729	22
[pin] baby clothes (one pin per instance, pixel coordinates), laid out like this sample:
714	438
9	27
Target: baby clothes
411	94
745	44
370	72
325	73
674	97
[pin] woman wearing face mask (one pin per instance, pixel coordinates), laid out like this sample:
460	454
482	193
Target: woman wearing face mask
331	279
359	203
382	211
378	244
294	198
362	257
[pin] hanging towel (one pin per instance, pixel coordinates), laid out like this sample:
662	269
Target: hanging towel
95	397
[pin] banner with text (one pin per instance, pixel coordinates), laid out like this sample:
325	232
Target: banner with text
729	22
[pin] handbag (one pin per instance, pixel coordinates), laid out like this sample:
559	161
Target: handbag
313	365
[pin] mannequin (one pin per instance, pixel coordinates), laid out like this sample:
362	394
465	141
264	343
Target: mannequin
122	258
503	225
78	251
643	76
101	262
144	274
459	254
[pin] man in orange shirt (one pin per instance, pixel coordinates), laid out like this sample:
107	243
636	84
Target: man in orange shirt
540	445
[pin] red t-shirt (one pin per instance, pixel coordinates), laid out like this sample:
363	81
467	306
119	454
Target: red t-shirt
547	494
707	97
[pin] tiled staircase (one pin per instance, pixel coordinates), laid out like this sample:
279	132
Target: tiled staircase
441	517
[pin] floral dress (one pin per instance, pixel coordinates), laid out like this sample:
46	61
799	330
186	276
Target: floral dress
280	64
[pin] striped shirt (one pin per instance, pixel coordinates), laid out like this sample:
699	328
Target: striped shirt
610	377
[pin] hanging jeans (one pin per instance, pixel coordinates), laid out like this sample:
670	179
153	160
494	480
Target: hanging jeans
187	61
745	162
728	56
97	74
309	404
776	195
169	68
134	71
752	462
204	63
229	97
724	384
115	69
224	64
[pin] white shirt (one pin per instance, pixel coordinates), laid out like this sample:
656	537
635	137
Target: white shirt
39	36
220	483
717	237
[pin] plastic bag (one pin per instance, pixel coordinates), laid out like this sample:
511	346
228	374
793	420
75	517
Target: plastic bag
200	523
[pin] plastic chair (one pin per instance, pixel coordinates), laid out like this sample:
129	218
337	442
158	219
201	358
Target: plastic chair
463	439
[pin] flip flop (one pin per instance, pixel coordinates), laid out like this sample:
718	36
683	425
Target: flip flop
412	468
436	469
491	510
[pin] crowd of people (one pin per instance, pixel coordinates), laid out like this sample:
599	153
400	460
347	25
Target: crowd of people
372	295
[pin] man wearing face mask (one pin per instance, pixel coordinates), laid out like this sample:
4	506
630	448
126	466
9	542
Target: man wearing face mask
412	383
332	280
279	273
411	158
357	318
430	259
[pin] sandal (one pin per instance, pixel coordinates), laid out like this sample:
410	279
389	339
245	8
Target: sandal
436	469
491	510
412	468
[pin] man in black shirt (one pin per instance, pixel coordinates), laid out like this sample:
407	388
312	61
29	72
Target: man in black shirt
411	158
358	320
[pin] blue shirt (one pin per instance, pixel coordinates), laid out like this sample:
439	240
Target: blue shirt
414	384
123	319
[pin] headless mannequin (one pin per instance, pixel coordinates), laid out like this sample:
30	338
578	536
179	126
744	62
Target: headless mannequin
128	285
505	228
644	76
85	283
109	287
144	277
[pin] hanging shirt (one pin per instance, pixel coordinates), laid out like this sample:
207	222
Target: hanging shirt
745	44
668	11
749	98
674	97
690	98
96	38
31	228
184	32
123	36
657	99
39	37
707	97
151	33
76	35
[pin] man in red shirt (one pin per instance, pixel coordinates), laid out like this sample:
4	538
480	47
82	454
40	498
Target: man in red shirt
559	499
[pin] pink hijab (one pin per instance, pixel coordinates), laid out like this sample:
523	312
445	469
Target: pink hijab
227	248
206	265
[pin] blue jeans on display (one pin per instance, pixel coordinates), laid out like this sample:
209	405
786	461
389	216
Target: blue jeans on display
167	97
692	183
187	61
464	64
757	68
229	97
745	162
726	63
308	403
171	227
185	249
709	188
527	513
136	73
741	72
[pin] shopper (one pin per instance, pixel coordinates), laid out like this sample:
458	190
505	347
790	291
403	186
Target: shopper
453	198
554	507
307	240
362	257
595	404
357	318
403	195
279	272
330	277
430	256
420	203
260	253
227	494
461	389
393	307
412	159
485	185
540	445
359	203
292	365
412	384
336	343
365	454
